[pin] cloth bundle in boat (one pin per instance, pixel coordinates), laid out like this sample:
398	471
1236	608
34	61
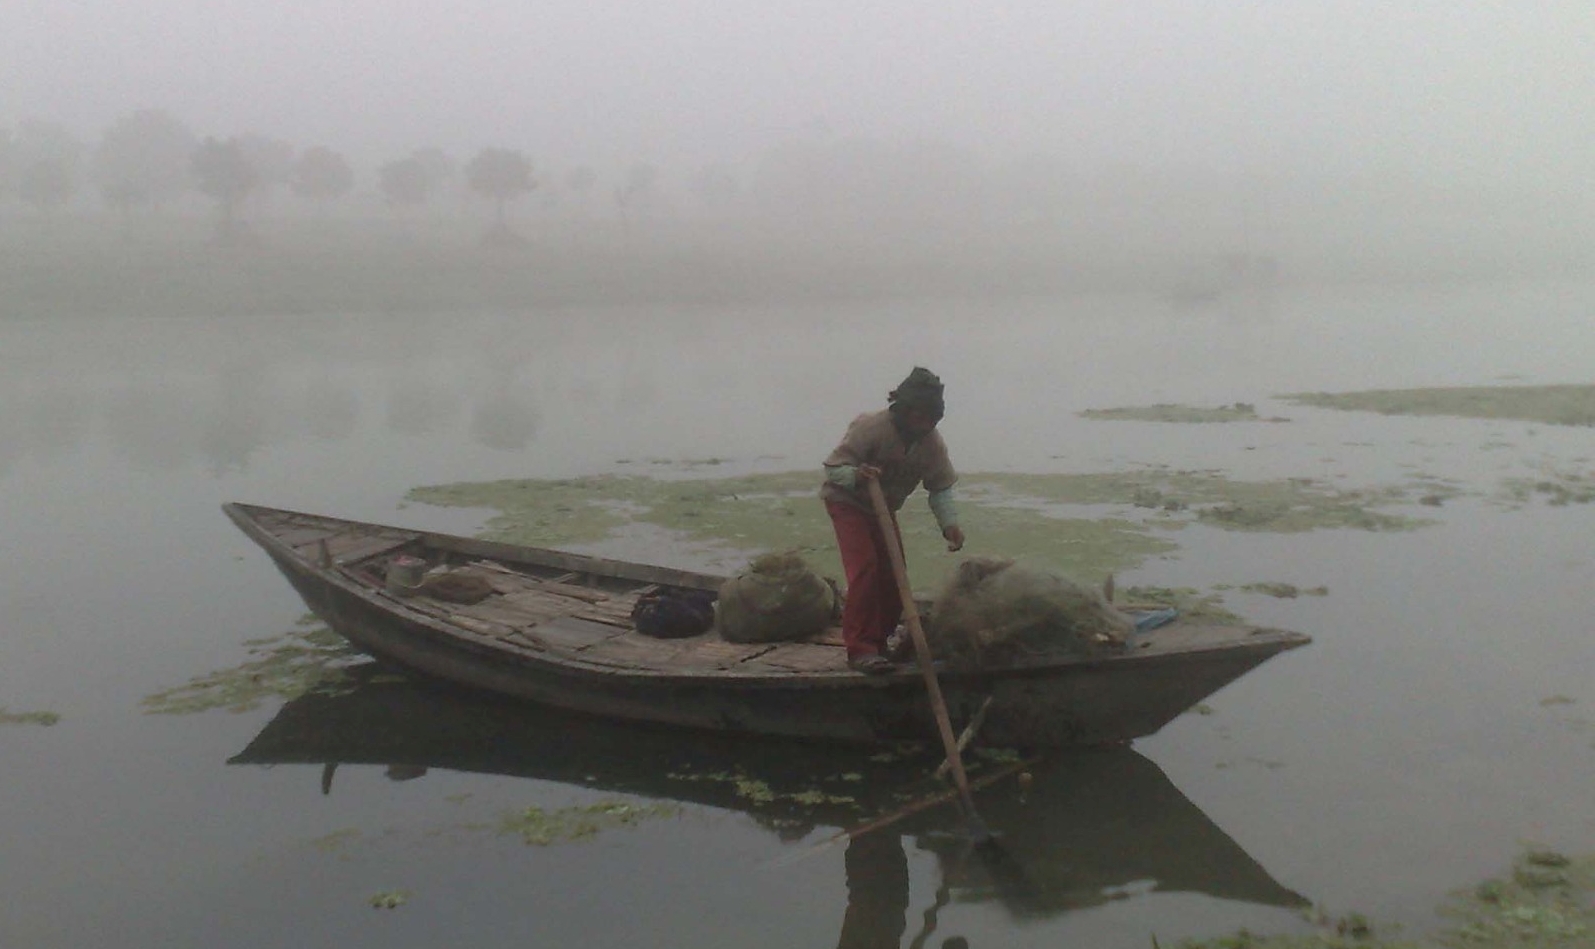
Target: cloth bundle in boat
777	599
457	586
674	613
992	612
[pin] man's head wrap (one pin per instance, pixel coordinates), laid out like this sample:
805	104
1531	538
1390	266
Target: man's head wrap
921	390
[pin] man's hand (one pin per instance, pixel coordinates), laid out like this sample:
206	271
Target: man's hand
868	473
955	537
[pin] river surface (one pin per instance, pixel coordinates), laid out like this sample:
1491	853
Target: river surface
1439	722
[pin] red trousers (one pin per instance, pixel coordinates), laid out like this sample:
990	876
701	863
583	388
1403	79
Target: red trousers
874	604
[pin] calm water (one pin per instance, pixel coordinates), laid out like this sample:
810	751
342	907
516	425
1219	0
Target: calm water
1405	753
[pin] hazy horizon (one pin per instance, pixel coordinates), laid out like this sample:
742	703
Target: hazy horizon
1475	95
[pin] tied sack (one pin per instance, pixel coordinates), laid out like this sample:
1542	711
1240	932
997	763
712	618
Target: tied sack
778	598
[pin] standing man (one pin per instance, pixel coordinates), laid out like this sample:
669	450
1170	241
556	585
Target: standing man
900	448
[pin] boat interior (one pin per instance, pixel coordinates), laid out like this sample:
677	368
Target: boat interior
577	609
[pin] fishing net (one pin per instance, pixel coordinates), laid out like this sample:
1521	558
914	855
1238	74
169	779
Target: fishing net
777	598
992	612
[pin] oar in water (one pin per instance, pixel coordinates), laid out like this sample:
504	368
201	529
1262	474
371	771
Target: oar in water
938	705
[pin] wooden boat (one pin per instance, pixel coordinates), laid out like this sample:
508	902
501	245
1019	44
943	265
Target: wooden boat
1089	824
557	630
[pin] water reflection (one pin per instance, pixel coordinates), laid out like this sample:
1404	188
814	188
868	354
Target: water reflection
1092	828
505	420
421	406
223	417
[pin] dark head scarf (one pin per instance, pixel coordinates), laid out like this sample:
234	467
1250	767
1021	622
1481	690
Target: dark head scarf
921	390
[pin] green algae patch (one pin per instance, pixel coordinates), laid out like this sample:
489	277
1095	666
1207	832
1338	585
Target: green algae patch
1039	519
756	791
1546	901
338	841
1173	497
783	512
1553	405
310	658
389	899
1182	414
1555	487
542	828
1281	591
8	717
1192	604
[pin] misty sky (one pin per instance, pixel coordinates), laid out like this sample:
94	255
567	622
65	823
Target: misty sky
1444	89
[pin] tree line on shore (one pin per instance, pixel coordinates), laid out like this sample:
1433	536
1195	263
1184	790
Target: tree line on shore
150	159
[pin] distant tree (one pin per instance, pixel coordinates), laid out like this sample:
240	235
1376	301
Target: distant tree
405	182
639	191
271	158
321	175
222	171
715	185
440	168
47	160
581	180
46	184
143	158
8	164
502	175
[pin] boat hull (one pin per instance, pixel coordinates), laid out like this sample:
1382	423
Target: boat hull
1082	702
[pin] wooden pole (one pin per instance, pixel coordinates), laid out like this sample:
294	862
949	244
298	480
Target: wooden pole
938	705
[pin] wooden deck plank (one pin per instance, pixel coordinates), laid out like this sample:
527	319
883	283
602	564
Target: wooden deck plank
349	548
831	637
633	651
800	657
540	604
711	652
303	536
571	633
498	609
479	626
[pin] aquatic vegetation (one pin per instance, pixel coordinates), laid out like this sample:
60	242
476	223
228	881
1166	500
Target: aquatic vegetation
1192	603
8	717
1283	591
337	841
1555	405
756	791
1166	412
1556	488
1547	901
1286	505
390	899
303	660
780	512
538	827
1026	517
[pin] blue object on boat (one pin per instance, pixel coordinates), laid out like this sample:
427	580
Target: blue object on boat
1146	622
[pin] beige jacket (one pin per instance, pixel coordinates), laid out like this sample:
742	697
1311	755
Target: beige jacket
872	439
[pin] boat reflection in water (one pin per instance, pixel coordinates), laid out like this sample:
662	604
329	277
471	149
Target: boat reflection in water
1091	827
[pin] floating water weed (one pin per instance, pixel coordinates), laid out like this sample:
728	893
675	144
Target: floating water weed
391	899
8	717
1185	414
542	828
308	659
1556	405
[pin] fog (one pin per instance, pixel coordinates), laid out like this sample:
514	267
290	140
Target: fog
1196	148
